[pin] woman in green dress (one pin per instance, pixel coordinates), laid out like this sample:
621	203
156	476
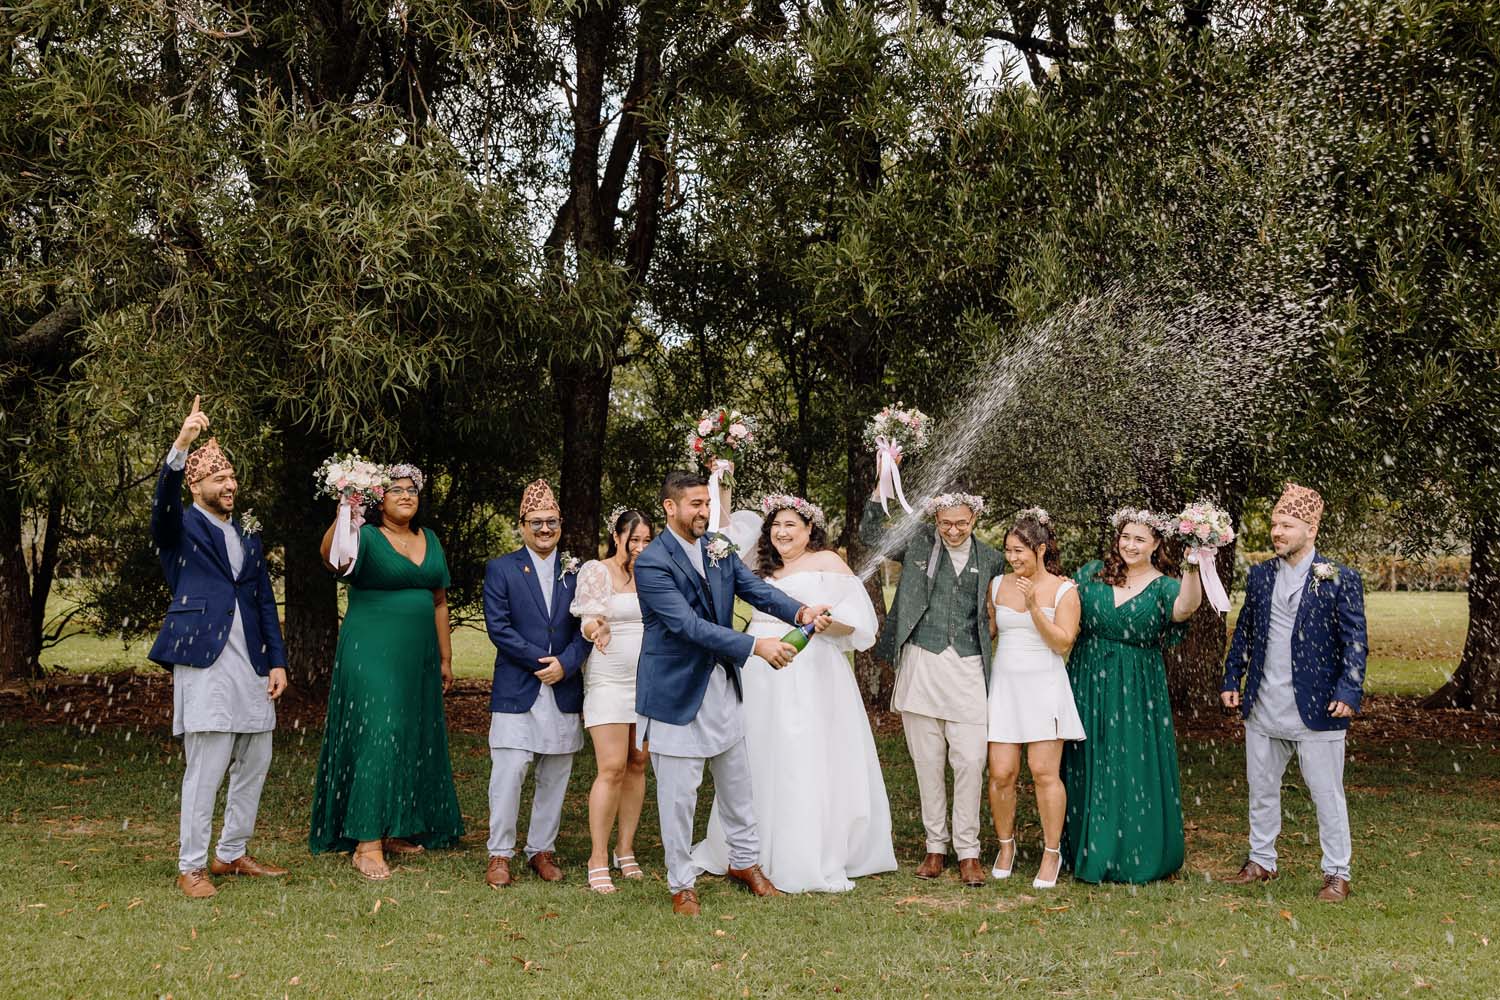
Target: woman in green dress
385	783
1124	818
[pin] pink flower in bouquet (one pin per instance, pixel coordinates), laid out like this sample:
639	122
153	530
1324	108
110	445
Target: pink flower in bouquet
739	430
705	426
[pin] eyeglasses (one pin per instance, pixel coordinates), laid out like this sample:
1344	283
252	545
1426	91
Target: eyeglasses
551	524
402	491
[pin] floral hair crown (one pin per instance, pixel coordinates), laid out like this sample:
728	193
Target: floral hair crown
770	505
405	471
947	501
1137	515
1036	514
614	518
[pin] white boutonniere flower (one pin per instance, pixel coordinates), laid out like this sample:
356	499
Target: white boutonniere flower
249	523
1324	572
569	563
720	548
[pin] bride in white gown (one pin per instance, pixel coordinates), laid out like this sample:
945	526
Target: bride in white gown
820	802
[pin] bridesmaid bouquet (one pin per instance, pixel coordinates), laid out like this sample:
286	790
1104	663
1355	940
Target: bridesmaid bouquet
894	432
1204	529
721	435
356	483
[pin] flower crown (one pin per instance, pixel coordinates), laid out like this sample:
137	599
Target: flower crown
947	501
1037	514
405	471
770	505
614	518
1138	515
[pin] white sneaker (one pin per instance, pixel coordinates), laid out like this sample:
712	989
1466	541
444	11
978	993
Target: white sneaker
997	872
1038	883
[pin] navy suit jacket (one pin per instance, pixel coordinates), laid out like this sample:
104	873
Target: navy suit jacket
1328	643
206	594
515	615
682	641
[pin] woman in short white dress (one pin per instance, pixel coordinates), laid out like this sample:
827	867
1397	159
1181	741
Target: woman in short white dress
1034	615
611	613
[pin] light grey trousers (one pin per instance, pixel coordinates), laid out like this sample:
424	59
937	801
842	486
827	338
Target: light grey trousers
245	757
507	774
1322	766
677	781
936	744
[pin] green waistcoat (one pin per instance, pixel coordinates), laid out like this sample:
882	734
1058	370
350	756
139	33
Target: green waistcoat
951	618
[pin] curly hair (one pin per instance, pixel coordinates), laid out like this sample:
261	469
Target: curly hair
1034	533
625	524
768	560
1162	558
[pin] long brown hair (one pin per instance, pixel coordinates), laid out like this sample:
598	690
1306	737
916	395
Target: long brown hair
1113	572
767	559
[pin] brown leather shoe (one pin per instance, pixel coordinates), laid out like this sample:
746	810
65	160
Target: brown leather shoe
244	865
754	879
971	873
1335	889
544	863
685	903
1249	873
932	866
497	875
195	884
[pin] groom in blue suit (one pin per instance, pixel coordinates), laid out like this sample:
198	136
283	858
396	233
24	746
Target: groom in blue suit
1299	647
687	692
222	642
536	699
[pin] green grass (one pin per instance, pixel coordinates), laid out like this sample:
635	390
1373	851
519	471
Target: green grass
1415	642
88	852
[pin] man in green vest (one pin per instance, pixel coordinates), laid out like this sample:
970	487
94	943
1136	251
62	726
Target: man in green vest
937	634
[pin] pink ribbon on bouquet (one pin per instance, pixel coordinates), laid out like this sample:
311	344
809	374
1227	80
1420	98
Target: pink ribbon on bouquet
888	471
345	543
1208	572
718	468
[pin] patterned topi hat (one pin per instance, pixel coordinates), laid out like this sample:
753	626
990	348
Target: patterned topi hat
538	496
1300	502
206	461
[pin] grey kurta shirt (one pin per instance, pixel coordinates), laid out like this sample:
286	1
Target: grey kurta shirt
228	696
720	722
545	728
1275	711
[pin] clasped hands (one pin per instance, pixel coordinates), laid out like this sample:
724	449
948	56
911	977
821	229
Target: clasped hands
777	653
1337	709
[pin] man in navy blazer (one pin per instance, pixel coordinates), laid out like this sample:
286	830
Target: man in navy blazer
687	691
222	641
1299	647
536	699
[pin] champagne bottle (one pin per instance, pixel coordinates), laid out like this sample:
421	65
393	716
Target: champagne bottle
799	636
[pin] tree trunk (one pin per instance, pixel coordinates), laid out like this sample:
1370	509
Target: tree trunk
1476	682
1195	668
44	571
866	371
310	620
18	656
583	401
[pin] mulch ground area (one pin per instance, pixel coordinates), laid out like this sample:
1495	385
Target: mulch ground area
144	699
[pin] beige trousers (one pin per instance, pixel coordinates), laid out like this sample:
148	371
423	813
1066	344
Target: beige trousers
934	745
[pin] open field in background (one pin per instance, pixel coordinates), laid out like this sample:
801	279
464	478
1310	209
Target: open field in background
1415	642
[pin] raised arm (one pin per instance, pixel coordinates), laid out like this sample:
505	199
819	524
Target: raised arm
166	510
874	531
1189	595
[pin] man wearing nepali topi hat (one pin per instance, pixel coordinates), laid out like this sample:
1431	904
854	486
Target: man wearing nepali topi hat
222	641
1300	648
536	699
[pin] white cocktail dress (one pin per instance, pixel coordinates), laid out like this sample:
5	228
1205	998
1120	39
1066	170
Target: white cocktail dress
609	676
1030	697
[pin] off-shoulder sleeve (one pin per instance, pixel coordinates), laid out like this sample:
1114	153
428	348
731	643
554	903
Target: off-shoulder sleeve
594	590
851	607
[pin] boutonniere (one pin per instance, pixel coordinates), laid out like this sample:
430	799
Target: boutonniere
1323	572
720	548
568	562
249	523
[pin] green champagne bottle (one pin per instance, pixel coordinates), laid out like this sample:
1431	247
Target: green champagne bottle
799	636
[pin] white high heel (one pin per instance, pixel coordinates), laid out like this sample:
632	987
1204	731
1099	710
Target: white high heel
997	872
1037	882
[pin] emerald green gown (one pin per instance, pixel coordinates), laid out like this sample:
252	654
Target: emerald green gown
384	769
1124	818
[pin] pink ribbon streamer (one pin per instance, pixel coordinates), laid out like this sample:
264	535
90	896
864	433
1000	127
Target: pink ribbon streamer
345	543
718	468
1208	573
888	471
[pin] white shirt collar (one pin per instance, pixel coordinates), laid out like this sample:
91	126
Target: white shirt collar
543	564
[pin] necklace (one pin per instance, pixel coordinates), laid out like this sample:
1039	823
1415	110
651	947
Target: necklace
398	542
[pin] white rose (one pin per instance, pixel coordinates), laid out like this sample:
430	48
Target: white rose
738	430
705	426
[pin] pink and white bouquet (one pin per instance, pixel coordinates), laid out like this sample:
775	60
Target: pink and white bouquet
356	483
894	432
720	439
1204	528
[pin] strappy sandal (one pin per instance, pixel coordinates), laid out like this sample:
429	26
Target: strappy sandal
400	845
599	881
375	875
628	867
